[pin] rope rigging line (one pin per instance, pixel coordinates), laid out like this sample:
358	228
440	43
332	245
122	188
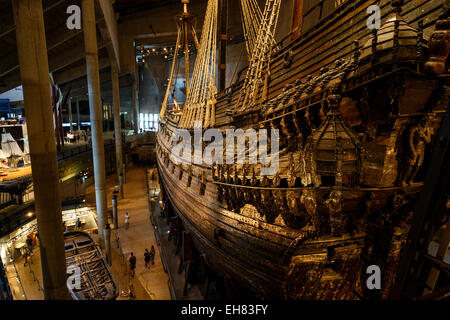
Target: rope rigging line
252	18
169	85
200	103
261	48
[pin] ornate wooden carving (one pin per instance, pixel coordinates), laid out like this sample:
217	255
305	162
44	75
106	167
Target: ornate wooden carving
439	44
335	203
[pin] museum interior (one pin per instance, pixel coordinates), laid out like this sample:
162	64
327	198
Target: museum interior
224	150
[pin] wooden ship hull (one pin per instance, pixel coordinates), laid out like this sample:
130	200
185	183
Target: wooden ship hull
84	258
356	122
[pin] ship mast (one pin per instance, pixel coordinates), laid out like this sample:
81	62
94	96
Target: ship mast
184	23
223	37
186	18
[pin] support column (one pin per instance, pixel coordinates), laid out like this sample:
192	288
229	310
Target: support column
55	114
95	109
32	52
61	128
117	125
69	107
114	209
135	109
107	235
78	115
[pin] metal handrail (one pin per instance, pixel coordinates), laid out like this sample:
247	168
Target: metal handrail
81	149
35	279
19	281
131	294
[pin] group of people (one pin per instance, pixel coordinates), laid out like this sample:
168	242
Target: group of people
77	225
76	136
149	258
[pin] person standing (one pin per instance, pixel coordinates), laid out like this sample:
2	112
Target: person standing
29	242
78	224
152	255
34	240
147	259
132	264
127	221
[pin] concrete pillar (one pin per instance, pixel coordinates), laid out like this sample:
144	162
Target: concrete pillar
69	107
115	213
32	52
124	171
55	114
117	127
95	109
78	115
61	129
135	108
107	235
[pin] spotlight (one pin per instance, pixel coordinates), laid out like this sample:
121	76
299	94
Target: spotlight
29	214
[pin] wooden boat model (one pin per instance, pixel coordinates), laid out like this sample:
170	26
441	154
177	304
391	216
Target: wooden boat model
356	128
87	265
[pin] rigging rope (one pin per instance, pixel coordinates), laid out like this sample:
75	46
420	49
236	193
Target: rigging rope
169	85
200	101
261	48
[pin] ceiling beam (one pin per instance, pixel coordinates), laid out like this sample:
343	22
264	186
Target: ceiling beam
60	61
73	73
105	81
9	65
56	60
144	7
10	28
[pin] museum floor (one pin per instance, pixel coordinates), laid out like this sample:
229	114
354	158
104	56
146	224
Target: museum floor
147	284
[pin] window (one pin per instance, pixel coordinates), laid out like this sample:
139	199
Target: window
148	121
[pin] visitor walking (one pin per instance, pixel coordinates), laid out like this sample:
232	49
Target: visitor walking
78	224
147	259
127	221
132	264
152	255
